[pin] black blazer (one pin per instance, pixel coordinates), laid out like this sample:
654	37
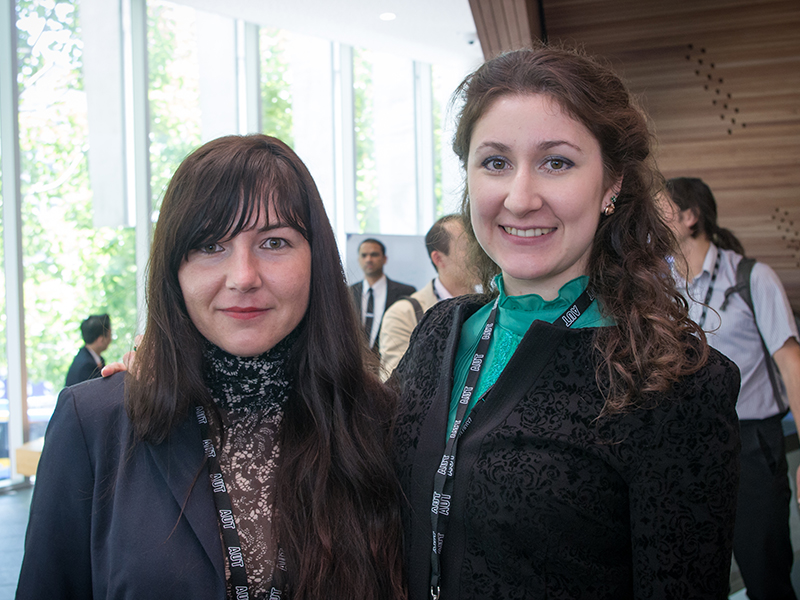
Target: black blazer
394	291
114	518
551	501
82	368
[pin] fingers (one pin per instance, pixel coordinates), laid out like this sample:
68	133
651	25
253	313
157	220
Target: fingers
112	368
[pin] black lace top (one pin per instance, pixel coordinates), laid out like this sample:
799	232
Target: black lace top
552	501
249	393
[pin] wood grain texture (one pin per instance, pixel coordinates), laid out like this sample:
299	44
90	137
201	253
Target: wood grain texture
720	80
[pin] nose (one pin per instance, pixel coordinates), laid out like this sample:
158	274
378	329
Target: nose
523	194
243	274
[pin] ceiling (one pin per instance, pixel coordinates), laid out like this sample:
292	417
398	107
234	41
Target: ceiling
433	31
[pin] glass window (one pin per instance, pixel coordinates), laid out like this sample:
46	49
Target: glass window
72	269
385	143
276	82
174	90
449	179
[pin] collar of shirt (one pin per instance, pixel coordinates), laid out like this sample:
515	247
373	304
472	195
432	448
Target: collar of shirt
441	291
702	276
95	355
378	286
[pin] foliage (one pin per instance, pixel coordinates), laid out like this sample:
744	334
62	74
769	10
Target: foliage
72	269
276	97
174	91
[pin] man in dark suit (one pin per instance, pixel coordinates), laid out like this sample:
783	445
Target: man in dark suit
376	292
96	332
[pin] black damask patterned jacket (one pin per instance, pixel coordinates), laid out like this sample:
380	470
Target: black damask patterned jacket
552	502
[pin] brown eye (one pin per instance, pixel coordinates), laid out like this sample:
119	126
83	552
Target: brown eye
556	164
275	243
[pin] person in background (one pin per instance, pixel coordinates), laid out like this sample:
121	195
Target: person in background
376	292
706	268
447	248
247	454
569	434
88	362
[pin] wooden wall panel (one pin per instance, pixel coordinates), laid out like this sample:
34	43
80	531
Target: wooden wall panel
721	82
504	25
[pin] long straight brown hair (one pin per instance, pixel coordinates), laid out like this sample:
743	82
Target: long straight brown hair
337	499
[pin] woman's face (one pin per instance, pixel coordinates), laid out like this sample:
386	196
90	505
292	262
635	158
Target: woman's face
247	293
537	188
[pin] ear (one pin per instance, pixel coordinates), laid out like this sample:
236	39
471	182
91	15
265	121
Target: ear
613	190
689	217
438	258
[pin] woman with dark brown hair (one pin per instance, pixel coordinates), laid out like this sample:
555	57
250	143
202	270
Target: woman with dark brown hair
569	434
248	456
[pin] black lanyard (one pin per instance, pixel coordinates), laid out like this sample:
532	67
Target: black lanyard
435	293
230	535
710	291
443	480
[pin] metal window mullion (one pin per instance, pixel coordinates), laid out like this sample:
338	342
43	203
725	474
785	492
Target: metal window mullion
344	142
138	140
423	125
16	383
248	77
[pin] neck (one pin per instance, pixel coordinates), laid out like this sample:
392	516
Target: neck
455	286
373	279
692	255
95	347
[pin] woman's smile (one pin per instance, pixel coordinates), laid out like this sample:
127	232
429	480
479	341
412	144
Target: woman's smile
537	186
529	233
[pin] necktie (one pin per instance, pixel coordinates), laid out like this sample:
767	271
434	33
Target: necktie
369	315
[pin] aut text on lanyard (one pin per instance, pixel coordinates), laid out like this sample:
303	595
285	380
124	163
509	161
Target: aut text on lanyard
443	479
230	535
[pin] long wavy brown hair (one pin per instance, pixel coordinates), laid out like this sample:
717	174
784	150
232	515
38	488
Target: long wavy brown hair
654	342
337	499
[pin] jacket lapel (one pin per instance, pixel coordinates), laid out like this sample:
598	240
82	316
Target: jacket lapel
181	462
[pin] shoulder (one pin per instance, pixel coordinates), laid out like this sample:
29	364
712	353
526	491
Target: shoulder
402	288
401	310
426	296
356	287
709	393
443	313
764	275
434	330
95	405
82	356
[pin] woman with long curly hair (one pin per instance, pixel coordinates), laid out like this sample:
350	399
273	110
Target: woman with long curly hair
569	434
246	455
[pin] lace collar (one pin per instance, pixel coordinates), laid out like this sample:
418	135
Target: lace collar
246	384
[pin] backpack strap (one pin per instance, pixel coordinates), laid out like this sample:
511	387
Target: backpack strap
415	303
742	287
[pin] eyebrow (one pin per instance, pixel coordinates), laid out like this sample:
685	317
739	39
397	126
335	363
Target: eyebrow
547	145
271	226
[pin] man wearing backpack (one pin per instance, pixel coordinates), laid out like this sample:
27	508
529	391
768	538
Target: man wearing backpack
447	248
742	306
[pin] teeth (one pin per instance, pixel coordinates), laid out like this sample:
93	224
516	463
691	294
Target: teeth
528	232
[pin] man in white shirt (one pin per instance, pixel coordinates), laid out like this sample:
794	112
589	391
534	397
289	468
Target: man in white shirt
376	292
447	248
705	269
